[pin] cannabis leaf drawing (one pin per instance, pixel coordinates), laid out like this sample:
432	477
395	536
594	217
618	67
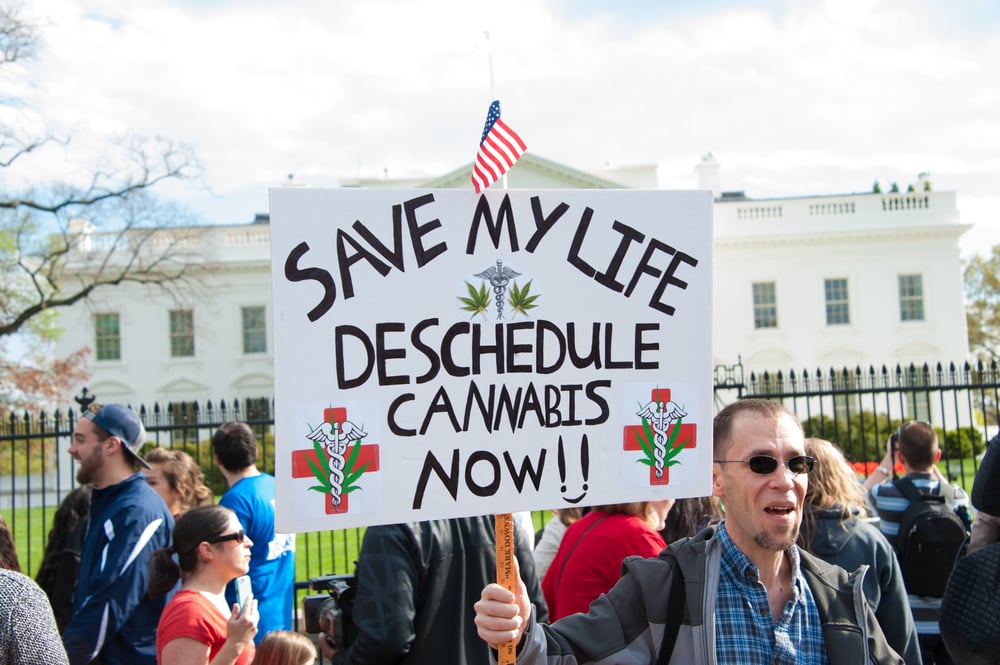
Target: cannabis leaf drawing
521	300
351	474
478	300
672	448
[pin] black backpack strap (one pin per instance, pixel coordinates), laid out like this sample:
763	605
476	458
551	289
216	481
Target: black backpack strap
675	612
913	495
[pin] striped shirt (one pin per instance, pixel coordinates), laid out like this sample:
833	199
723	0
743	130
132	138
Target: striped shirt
890	504
745	632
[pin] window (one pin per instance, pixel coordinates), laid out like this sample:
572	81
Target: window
911	298
181	333
837	311
765	305
107	338
254	330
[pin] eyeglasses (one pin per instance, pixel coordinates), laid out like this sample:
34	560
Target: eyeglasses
239	537
765	464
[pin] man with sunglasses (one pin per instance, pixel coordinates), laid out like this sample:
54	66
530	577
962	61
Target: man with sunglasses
915	446
114	619
750	596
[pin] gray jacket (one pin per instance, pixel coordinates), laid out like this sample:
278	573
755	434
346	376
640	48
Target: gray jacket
627	624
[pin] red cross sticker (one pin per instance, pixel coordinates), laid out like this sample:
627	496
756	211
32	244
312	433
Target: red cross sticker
368	454
631	434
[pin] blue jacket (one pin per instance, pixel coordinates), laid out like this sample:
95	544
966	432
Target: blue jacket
113	616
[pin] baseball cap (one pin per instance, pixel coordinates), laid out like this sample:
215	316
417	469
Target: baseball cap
120	421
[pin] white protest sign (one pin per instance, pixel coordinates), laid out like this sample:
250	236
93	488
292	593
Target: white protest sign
441	354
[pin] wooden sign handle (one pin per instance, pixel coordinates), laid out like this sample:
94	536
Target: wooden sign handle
506	652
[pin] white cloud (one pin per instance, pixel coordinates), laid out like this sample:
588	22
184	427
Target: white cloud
811	97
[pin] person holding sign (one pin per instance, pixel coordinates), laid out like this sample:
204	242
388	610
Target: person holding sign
741	592
417	583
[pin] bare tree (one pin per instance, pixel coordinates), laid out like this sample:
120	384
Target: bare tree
59	242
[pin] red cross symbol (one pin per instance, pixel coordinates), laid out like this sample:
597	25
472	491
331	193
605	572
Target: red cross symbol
630	436
300	460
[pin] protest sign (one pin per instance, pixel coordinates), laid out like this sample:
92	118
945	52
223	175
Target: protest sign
441	354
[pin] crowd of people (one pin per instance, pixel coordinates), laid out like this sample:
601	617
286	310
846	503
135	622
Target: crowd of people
140	557
791	560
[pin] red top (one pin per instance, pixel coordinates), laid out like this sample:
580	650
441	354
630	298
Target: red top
190	614
589	560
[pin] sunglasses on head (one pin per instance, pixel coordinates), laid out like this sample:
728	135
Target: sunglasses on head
239	537
765	464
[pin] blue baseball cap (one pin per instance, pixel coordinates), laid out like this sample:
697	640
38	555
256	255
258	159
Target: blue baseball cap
120	421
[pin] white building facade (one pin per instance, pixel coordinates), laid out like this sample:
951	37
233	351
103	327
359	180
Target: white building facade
801	283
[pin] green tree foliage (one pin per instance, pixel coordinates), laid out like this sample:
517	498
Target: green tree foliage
61	241
863	436
982	304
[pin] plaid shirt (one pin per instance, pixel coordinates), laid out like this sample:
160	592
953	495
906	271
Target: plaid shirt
745	633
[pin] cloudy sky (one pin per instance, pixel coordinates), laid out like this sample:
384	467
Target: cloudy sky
792	96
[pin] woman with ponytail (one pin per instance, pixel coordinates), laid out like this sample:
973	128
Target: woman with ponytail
197	627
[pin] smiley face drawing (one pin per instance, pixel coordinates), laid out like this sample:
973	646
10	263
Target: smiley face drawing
584	469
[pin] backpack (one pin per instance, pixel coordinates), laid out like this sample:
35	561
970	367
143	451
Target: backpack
931	538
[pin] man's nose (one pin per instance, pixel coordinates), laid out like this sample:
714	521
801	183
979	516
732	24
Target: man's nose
782	476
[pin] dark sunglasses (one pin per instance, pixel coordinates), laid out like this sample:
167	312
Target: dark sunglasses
239	537
765	464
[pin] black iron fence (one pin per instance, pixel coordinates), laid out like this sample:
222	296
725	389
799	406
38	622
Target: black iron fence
857	409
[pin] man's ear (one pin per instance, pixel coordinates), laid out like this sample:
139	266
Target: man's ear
937	456
718	483
111	444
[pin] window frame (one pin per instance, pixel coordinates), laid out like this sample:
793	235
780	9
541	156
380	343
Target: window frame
246	332
837	308
764	313
179	337
102	338
908	302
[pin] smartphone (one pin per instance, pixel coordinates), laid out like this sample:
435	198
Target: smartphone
243	591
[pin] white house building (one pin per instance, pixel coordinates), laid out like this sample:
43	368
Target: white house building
800	283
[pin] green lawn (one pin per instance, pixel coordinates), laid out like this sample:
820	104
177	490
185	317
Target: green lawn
320	553
961	473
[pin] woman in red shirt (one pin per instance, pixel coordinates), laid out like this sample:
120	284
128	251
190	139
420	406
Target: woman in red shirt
197	627
589	560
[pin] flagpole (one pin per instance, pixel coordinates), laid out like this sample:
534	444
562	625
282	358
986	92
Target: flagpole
504	527
493	95
489	53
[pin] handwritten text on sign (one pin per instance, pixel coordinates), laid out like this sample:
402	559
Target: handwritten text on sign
441	354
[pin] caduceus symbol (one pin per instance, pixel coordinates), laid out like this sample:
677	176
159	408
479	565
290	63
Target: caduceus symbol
660	415
334	437
498	277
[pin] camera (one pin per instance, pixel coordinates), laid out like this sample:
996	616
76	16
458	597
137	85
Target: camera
332	612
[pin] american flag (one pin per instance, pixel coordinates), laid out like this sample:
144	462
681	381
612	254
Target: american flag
499	148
